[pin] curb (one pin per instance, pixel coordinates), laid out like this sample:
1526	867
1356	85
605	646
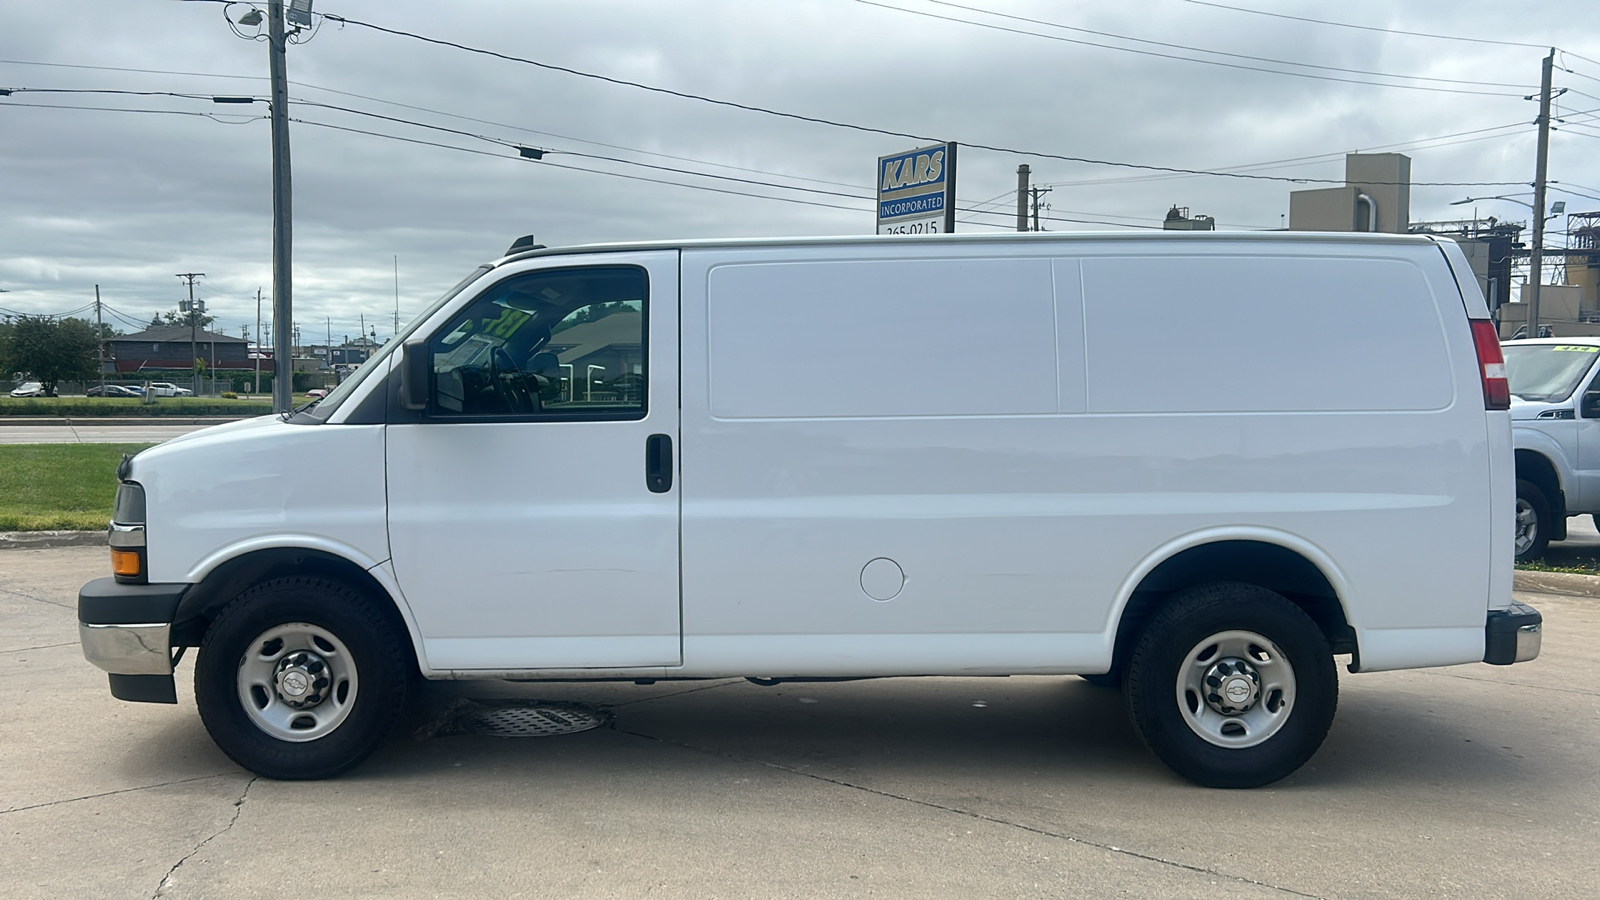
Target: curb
119	420
50	540
1564	583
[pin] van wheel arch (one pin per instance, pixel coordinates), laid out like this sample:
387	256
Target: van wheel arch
203	603
1266	565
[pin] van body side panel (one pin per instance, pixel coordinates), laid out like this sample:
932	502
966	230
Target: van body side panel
876	419
263	483
1339	390
1301	388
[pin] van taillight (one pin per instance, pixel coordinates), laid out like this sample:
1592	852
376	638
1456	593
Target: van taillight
1491	366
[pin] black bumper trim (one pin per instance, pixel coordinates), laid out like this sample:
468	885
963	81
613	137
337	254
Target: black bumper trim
144	688
105	601
1502	628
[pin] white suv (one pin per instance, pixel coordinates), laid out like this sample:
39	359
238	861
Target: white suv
168	389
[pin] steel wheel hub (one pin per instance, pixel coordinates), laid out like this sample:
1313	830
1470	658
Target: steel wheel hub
1235	689
1234	685
301	679
298	681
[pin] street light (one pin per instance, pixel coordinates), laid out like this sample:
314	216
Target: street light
1556	208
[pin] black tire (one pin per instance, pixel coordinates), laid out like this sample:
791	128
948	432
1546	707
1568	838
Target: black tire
1279	723
349	661
1533	528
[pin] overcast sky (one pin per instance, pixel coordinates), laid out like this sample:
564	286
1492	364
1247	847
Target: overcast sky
126	199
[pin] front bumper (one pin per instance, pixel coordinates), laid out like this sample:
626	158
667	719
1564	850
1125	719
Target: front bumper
1512	635
126	630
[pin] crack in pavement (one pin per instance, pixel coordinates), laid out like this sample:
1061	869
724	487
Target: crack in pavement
131	790
238	807
40	647
16	593
982	817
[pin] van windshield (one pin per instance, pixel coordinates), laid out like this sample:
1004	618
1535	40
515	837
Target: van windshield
1547	372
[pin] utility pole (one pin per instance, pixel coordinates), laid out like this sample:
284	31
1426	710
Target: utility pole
257	354
1536	260
282	213
194	319
100	339
1022	197
1035	194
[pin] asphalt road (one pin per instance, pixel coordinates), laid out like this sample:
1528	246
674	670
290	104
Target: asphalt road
1471	781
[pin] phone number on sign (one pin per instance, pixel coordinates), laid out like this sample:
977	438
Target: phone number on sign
930	227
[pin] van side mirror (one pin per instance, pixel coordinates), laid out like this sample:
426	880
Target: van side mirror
414	372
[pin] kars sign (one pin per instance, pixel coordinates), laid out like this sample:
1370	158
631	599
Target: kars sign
917	191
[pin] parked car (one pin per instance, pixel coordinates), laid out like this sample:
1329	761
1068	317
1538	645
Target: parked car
168	389
316	393
1555	433
111	390
1192	466
28	389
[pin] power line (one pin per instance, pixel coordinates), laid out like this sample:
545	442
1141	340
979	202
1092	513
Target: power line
438	112
1208	62
593	156
867	129
123	109
178	94
1123	37
558	165
1321	157
1421	34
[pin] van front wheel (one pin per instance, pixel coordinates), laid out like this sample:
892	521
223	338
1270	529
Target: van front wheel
1232	686
300	678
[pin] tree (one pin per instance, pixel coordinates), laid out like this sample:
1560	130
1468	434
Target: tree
49	350
174	318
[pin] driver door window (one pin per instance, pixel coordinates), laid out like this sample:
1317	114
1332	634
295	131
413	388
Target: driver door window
559	343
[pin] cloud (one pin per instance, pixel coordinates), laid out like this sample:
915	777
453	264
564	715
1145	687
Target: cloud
125	200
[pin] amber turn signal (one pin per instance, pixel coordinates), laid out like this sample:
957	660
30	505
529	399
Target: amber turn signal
125	563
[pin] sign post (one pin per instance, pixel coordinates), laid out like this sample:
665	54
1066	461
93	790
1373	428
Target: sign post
917	191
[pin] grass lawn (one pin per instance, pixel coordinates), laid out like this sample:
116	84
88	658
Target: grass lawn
130	406
45	487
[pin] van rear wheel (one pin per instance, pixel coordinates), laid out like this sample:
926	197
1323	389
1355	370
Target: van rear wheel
1533	521
301	678
1232	686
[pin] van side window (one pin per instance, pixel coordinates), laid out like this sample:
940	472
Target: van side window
560	343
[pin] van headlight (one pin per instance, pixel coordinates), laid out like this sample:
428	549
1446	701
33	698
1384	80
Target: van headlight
126	535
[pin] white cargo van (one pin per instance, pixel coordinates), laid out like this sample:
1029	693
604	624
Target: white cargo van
1199	466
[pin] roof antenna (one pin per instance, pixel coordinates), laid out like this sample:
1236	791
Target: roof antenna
523	244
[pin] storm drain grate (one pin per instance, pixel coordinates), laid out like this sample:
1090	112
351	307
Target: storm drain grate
532	721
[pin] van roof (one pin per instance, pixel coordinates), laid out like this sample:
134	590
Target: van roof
1313	237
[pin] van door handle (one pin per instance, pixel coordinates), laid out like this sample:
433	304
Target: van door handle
658	463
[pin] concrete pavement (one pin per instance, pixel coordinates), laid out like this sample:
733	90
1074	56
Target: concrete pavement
78	433
1470	781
